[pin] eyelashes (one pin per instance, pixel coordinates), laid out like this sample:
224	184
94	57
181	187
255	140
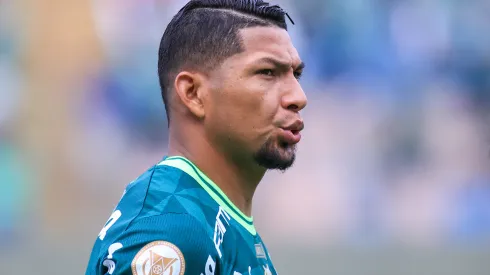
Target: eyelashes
298	75
272	73
266	72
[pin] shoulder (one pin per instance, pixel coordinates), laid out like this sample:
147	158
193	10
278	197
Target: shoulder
170	190
156	174
181	229
176	243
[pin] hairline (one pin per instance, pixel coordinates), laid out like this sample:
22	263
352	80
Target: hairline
267	24
241	14
189	66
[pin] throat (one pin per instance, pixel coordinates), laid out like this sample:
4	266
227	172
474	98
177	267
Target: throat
237	180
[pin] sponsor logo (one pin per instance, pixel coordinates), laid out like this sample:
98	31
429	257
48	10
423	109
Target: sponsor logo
108	262
260	251
220	229
249	272
158	258
210	266
267	271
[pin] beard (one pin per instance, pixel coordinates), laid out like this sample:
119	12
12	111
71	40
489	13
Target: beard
276	155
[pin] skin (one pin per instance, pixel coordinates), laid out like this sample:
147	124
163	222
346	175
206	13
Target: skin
228	120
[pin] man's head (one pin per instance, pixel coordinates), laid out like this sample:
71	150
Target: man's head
229	68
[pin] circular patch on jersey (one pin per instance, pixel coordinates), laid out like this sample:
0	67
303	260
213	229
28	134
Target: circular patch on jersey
158	258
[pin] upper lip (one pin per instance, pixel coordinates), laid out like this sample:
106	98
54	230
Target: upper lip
297	126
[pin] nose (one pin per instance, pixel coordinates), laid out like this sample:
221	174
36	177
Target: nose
295	98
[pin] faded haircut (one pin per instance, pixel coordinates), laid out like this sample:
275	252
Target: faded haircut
204	33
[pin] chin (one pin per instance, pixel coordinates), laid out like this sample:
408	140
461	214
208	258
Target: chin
276	156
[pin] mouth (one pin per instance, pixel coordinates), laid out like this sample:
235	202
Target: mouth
292	134
295	132
290	137
295	127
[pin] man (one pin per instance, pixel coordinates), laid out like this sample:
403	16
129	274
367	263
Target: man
229	77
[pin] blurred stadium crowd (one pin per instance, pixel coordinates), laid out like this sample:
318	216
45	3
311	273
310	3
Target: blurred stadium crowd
397	139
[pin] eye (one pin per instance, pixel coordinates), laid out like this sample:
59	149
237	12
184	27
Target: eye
266	72
298	75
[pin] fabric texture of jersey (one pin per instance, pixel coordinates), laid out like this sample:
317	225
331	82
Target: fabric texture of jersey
174	220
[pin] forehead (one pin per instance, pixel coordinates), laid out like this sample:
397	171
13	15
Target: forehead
259	42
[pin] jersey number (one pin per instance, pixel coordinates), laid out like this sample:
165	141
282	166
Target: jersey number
112	219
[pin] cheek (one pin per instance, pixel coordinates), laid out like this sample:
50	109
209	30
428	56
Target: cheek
246	110
227	115
252	110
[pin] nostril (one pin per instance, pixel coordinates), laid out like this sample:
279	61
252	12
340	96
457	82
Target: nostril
293	107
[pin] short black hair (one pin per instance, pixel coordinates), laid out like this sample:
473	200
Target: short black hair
204	33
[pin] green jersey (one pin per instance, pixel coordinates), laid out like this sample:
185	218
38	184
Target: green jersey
174	220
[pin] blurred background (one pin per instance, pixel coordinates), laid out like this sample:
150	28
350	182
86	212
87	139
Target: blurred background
392	176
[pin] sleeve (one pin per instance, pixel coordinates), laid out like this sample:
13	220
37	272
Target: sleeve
169	244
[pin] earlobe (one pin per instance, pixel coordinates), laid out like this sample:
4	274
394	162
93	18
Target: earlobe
188	87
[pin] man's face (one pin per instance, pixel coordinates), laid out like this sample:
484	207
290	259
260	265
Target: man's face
252	111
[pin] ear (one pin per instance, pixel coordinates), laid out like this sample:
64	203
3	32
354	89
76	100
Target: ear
189	88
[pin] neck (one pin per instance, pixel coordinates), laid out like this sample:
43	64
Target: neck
237	180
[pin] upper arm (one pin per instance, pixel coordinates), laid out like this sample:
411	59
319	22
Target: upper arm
172	244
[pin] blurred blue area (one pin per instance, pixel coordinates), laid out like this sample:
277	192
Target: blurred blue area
402	47
398	128
13	198
471	211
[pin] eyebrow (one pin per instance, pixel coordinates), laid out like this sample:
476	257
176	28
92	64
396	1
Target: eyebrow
282	65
